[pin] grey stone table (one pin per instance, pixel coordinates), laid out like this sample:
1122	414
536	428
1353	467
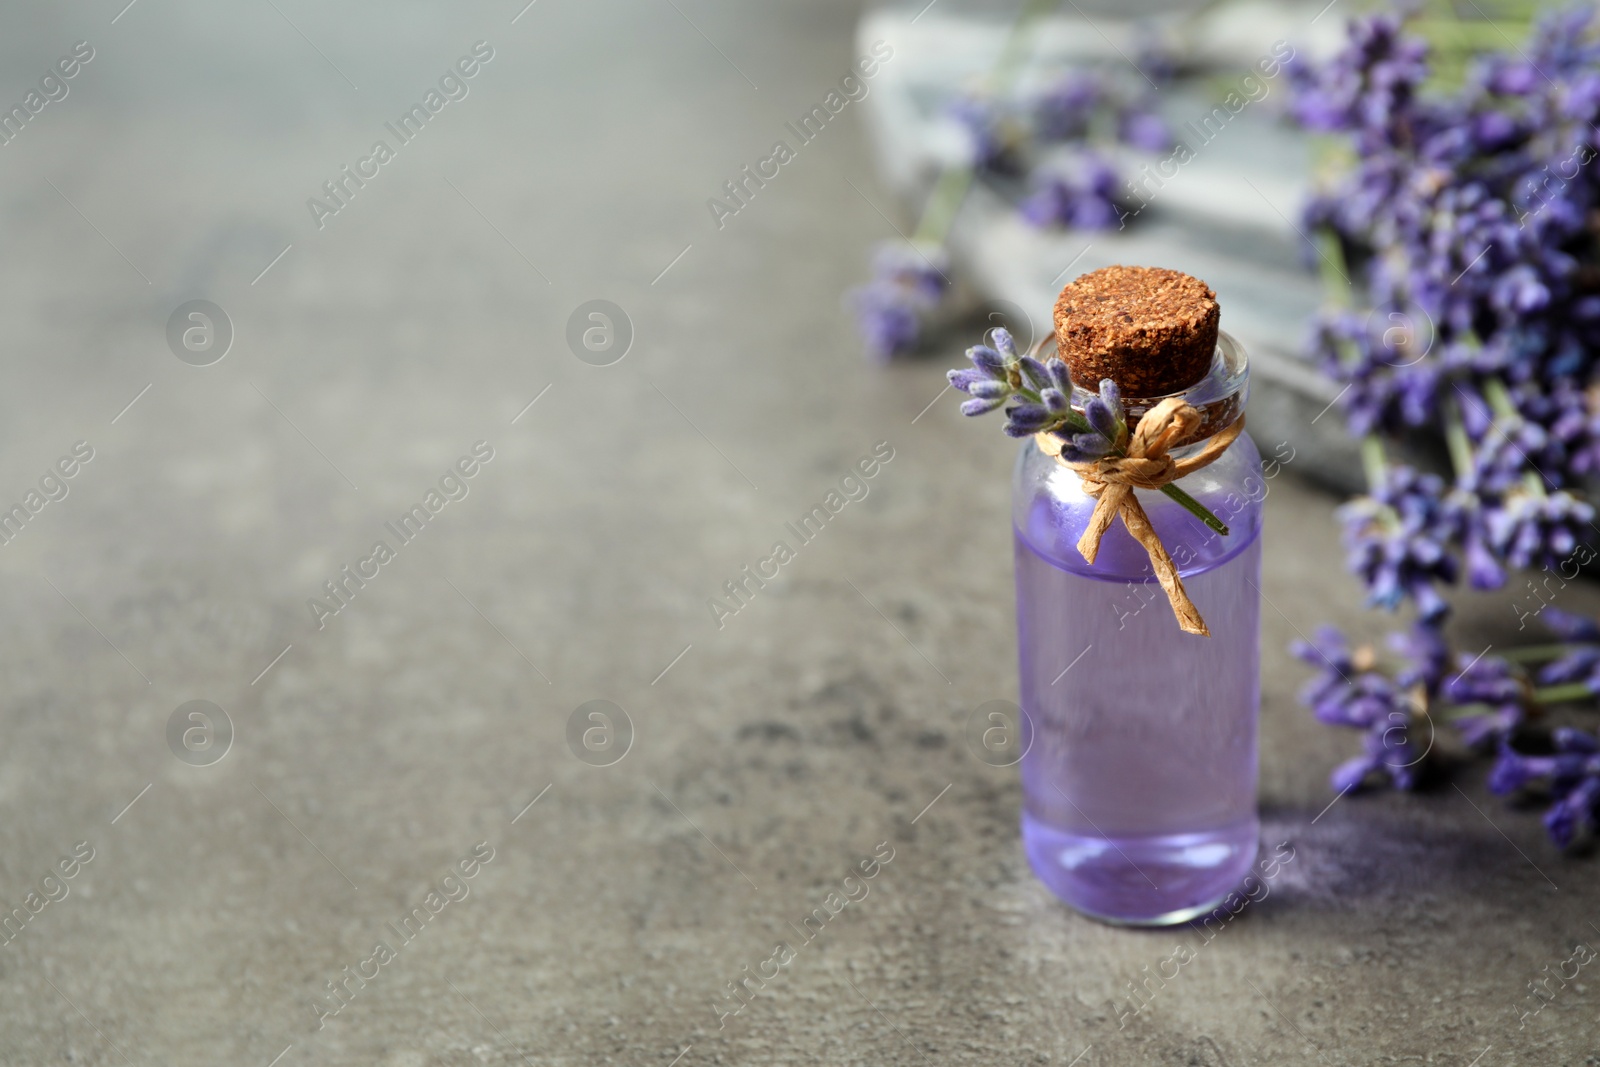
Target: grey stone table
382	752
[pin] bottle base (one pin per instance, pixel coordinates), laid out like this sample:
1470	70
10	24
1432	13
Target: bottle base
1157	880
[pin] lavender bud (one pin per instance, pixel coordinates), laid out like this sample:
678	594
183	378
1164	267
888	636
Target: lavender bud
987	360
1091	444
1111	394
1028	418
1060	376
1101	418
1004	342
965	379
1034	372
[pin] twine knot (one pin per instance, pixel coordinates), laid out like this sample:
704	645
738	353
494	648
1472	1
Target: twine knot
1140	461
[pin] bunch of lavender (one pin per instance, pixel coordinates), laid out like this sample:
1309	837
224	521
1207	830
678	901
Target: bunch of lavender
1464	240
1495	706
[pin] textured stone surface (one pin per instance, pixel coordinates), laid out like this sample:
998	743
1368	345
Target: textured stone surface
824	718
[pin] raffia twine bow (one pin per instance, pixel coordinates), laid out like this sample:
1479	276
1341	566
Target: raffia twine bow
1145	464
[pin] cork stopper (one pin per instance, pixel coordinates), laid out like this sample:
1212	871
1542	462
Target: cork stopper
1152	331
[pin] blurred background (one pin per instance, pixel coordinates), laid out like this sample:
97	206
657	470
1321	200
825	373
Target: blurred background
271	764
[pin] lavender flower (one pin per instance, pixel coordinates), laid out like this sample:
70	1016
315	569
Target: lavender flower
1039	398
1064	110
1080	195
1467	517
998	374
919	269
1493	693
1347	692
1577	666
1570	627
1397	540
908	283
887	318
1386	748
1425	658
1573	777
991	137
1533	530
1104	412
1141	127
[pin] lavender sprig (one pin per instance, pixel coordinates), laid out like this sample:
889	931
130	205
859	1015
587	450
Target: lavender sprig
1493	702
1348	691
1572	776
1039	397
908	283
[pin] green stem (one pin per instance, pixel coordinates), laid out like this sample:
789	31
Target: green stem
1195	508
1499	398
1563	694
1331	265
1078	424
1504	409
1455	439
1461	711
1374	461
939	213
1189	503
1006	67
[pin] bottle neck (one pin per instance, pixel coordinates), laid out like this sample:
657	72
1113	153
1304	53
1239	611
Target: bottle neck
1219	397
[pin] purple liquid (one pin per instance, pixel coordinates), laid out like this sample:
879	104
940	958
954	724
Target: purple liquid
1139	787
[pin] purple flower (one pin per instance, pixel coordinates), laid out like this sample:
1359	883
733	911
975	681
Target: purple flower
987	381
1036	392
1387	751
1493	690
1572	774
989	137
1578	665
1464	221
1368	84
920	269
1425	656
1078	194
1346	692
887	319
1570	627
1531	530
1573	812
1144	129
908	282
1063	111
1104	412
1025	420
1085	447
1398	541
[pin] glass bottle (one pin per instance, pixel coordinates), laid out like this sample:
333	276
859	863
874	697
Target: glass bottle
1139	776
